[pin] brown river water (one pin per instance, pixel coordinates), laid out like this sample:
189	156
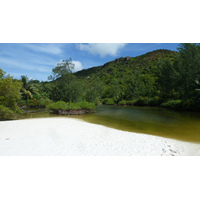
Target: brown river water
162	122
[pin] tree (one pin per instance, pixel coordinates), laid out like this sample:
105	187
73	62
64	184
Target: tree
9	94
94	91
188	68
135	86
73	92
28	88
167	78
181	78
2	73
63	70
66	86
113	90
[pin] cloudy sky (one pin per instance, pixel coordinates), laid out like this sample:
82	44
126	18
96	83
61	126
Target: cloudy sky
36	60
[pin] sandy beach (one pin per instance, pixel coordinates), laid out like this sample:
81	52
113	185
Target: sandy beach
73	137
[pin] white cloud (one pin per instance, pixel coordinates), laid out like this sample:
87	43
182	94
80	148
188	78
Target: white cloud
14	64
103	49
45	48
77	66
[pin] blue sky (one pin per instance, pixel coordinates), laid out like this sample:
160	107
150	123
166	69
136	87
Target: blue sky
36	60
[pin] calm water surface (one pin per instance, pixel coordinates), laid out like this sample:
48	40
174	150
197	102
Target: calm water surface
155	121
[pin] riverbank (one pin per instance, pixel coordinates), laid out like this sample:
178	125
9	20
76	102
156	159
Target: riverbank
73	137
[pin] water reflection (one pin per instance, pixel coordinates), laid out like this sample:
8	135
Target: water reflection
155	121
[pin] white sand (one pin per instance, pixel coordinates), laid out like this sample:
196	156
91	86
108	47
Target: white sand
72	137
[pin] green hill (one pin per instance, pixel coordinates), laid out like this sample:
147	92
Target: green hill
127	65
160	77
126	78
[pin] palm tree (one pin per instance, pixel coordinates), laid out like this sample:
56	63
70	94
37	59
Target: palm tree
28	89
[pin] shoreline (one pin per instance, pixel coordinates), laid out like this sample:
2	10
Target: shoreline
75	137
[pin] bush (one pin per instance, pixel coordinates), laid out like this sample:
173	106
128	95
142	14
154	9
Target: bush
9	92
127	102
122	102
21	103
192	104
33	103
58	105
18	111
108	101
44	101
174	104
65	106
143	101
155	101
131	102
5	112
85	105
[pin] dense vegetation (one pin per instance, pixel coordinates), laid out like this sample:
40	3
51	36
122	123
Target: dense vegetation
159	78
9	94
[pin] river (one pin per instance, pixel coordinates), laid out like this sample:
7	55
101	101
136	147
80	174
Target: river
162	122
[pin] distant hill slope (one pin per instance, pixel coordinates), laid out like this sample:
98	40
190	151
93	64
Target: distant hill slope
125	65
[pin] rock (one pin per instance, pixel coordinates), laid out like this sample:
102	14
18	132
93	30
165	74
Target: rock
127	58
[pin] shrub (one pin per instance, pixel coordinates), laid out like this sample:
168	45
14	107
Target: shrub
108	101
122	102
86	105
192	104
33	103
21	103
5	112
44	101
174	104
65	106
58	105
155	101
127	102
131	102
143	101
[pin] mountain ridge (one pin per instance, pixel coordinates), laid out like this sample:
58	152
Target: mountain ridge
128	64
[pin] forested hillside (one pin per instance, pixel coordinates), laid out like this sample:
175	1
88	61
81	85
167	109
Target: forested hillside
127	78
125	65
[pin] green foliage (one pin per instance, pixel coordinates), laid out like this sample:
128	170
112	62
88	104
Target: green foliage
108	101
73	91
180	78
44	101
135	86
28	88
62	70
155	101
9	92
2	73
143	101
122	102
65	86
127	102
127	78
21	103
174	104
149	79
9	95
6	112
94	92
41	102
69	105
